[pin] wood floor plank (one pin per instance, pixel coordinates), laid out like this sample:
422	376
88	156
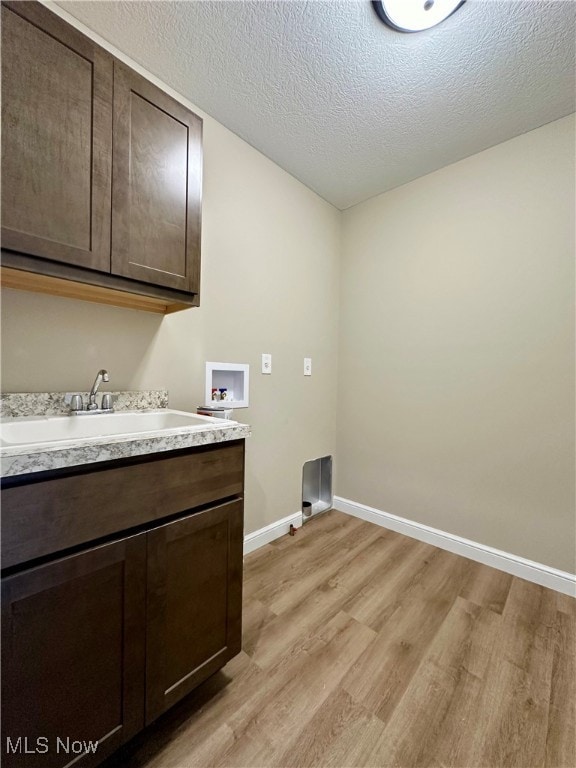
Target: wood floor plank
179	754
512	722
399	574
566	604
341	733
511	729
255	618
323	567
561	736
429	723
311	540
280	636
487	587
530	620
343	640
367	649
380	677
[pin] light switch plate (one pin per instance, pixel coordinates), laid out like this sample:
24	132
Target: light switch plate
307	366
266	363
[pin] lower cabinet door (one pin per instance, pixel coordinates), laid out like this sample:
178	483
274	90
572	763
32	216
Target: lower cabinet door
73	656
194	602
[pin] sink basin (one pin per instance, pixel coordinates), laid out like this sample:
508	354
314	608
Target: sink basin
35	430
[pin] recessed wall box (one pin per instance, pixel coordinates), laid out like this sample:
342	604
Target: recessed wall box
316	487
230	380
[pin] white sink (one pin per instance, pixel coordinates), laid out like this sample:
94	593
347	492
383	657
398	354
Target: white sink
36	430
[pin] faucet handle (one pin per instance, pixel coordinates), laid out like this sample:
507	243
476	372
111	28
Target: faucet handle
76	403
106	402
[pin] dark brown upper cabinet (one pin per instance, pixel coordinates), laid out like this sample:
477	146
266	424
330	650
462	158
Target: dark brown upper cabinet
56	139
102	171
157	185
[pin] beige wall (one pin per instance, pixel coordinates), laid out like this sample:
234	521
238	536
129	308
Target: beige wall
456	349
456	388
269	284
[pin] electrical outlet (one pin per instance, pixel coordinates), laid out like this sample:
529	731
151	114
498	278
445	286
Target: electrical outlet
266	363
307	366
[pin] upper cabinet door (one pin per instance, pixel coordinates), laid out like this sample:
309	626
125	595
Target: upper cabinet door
56	139
157	185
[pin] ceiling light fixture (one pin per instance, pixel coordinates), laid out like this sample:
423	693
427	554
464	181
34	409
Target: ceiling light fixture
415	15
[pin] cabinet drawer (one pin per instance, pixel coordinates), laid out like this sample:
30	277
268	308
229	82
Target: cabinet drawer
52	515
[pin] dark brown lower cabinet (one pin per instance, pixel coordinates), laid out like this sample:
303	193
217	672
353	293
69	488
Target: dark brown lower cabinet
194	602
99	642
73	645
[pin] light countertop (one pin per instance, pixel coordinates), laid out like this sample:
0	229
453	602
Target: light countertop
25	459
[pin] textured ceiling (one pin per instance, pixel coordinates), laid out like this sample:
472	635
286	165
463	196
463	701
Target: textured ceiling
345	104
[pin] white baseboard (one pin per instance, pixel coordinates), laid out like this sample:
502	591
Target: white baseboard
270	532
561	581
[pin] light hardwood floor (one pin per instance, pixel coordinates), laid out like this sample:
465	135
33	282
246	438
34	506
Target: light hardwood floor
363	647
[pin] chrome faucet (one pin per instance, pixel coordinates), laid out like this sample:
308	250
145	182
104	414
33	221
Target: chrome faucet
101	376
76	401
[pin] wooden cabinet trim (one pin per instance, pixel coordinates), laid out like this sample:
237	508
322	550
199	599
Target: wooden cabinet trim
28	273
56	286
